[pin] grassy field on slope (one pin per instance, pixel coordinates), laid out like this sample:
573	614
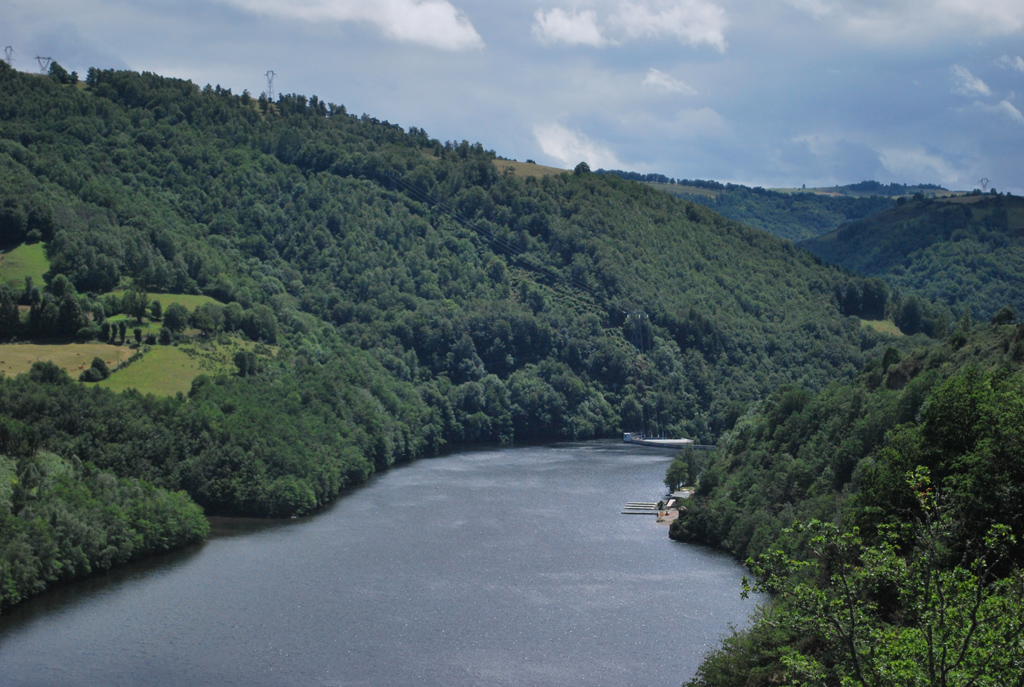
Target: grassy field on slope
27	260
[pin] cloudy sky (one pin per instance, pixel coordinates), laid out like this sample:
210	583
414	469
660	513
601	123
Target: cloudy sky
761	92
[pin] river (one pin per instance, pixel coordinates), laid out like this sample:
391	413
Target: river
505	566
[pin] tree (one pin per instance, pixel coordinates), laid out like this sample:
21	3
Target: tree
233	314
70	317
134	303
208	317
138	335
1005	315
96	372
122	329
260	324
9	318
678	474
899	612
245	361
155	310
60	75
176	317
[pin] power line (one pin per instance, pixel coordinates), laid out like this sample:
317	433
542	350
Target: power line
9	55
44	63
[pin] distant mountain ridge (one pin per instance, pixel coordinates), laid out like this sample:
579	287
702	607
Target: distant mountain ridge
794	214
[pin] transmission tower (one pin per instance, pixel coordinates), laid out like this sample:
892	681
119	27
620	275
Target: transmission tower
44	64
270	84
984	183
9	56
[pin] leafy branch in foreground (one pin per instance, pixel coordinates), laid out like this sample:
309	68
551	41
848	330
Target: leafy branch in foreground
899	611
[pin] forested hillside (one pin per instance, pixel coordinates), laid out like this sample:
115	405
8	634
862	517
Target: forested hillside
794	215
887	517
791	215
965	252
421	253
418	297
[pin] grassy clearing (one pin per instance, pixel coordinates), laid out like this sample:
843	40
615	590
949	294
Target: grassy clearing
883	327
166	370
151	326
148	326
526	169
27	260
162	371
17	358
189	300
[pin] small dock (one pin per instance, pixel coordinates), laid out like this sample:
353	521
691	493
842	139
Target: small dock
641	508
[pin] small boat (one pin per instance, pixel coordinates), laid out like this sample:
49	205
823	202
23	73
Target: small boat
640	439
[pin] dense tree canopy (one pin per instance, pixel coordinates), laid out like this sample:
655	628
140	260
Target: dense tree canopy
965	252
913	476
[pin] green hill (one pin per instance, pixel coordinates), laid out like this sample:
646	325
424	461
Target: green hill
919	463
423	254
964	252
419	296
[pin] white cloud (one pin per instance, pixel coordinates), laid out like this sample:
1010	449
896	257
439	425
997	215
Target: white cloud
1007	62
661	81
817	144
989	16
572	147
434	23
966	83
701	122
1010	111
918	166
1005	109
695	22
815	8
575	28
901	20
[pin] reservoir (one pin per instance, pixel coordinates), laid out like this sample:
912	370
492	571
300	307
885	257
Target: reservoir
508	566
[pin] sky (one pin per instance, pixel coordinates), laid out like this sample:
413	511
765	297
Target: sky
776	93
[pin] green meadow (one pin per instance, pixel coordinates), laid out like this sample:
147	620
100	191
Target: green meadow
27	260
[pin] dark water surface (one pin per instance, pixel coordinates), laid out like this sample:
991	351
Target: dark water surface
497	567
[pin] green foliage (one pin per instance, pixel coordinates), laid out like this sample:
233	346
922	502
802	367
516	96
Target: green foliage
229	443
948	415
793	216
96	372
803	456
953	253
61	519
420	252
246	363
134	304
683	468
177	317
896	612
